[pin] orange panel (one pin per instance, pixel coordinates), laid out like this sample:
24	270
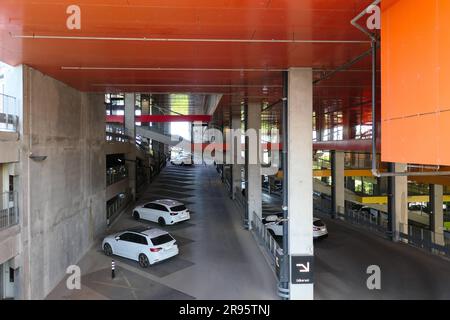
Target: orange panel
415	81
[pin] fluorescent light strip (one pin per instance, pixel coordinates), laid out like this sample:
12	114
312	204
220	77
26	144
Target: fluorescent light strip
72	68
170	69
52	37
186	85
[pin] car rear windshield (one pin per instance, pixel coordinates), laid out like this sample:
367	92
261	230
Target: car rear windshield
178	208
319	223
162	239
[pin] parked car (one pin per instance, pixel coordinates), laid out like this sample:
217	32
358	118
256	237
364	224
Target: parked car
147	247
274	224
182	160
366	211
164	212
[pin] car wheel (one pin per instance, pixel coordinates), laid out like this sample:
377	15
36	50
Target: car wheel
107	249
136	215
143	261
161	221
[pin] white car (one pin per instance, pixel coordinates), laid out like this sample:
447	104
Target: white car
147	247
164	212
183	160
274	225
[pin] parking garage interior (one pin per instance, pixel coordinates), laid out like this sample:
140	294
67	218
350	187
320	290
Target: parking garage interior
252	114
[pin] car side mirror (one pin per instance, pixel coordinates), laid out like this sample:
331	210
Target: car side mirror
117	238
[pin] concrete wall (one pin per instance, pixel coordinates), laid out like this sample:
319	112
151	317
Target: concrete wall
62	201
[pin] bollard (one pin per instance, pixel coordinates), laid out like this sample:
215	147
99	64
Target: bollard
113	268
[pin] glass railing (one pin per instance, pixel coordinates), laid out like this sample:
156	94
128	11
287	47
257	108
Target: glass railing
116	174
116	205
9	213
115	133
8	113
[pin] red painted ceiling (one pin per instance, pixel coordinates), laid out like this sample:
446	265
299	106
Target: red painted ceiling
123	65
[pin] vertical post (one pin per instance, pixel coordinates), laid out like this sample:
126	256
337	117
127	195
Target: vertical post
113	269
338	183
246	217
300	180
437	214
130	130
192	142
284	272
398	202
253	146
231	151
236	150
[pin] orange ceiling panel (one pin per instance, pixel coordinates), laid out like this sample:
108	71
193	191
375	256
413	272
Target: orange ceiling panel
174	20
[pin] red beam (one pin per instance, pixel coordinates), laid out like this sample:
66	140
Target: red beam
163	118
344	145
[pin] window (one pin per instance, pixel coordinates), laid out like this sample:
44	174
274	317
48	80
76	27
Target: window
11	183
178	208
11	188
150	206
139	239
160	207
127	237
318	223
11	275
165	238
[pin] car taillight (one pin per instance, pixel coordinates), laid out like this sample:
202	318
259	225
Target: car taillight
155	249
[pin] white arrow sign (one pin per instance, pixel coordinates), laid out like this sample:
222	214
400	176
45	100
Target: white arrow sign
303	268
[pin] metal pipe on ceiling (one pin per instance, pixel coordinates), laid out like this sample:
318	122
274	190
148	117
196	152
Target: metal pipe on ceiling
344	66
355	20
216	40
284	265
72	68
186	85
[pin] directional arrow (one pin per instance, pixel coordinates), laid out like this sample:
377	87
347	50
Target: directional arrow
303	268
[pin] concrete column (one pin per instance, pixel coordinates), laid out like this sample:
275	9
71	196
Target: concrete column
236	165
437	216
253	144
130	130
130	123
398	201
300	177
145	107
338	185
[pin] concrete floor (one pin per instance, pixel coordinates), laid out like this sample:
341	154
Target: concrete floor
218	259
342	259
406	272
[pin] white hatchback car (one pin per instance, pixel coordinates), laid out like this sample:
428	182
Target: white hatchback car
148	247
274	225
164	212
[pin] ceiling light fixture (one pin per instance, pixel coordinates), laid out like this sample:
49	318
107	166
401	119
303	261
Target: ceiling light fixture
186	85
145	39
74	68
